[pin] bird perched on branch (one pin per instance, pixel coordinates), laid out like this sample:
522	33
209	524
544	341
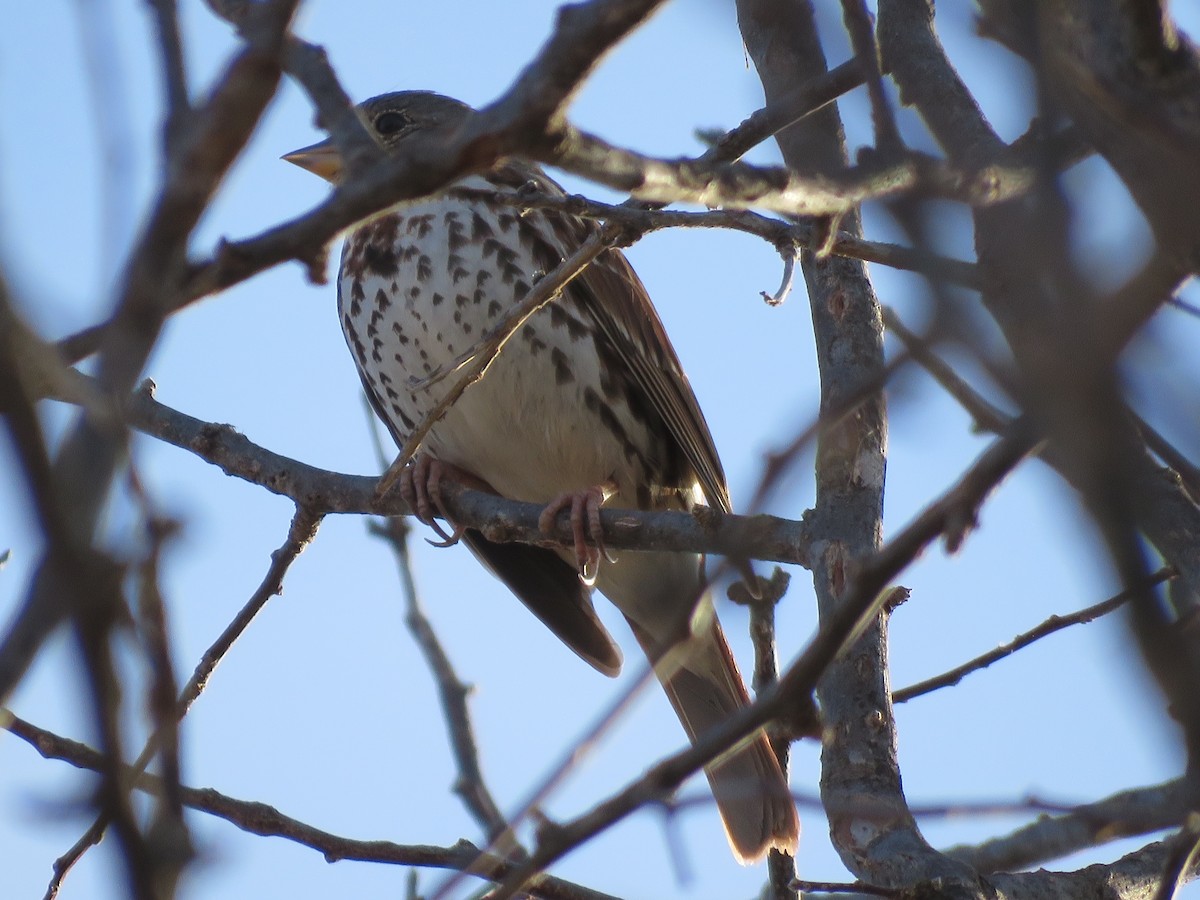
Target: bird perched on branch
585	404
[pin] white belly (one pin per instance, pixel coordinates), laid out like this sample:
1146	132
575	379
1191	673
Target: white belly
433	281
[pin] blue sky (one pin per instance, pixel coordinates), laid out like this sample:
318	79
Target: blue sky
324	709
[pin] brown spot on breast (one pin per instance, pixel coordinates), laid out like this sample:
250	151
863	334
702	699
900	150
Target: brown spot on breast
562	367
506	221
407	422
480	228
382	299
459	274
576	329
543	251
609	420
520	289
437	299
461	301
399	332
424	268
384	229
493	309
490	246
535	342
351	260
422	224
481	276
356	298
609	386
558	316
569	229
381	259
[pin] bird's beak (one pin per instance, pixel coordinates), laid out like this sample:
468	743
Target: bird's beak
321	159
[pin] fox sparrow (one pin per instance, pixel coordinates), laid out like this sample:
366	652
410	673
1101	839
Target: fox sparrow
587	403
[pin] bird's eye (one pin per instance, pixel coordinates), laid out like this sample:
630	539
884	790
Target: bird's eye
392	122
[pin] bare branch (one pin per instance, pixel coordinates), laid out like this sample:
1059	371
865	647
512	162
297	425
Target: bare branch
705	531
637	219
300	534
1181	860
1125	814
1050	626
264	820
470	784
809	97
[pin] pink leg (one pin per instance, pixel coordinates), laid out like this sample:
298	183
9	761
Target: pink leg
421	488
585	522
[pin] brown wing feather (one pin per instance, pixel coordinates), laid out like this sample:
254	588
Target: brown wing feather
550	589
631	324
634	329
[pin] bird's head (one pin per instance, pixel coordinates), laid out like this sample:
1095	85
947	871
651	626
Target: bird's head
391	119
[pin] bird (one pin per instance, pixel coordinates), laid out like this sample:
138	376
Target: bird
586	405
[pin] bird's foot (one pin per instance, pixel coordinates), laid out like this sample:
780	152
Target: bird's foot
585	522
421	488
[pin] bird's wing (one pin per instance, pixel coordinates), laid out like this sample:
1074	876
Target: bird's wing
550	588
628	319
618	303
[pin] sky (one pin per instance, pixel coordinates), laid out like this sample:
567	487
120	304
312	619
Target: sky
325	709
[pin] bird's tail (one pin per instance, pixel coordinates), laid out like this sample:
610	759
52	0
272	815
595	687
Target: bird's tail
705	688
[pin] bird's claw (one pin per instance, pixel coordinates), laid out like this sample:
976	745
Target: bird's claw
421	488
585	523
447	540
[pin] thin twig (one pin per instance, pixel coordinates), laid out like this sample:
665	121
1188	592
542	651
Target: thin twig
1127	813
1181	860
470	784
758	537
266	821
640	220
861	29
839	887
813	95
300	533
1046	628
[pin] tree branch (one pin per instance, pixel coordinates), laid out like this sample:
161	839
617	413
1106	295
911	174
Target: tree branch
266	821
